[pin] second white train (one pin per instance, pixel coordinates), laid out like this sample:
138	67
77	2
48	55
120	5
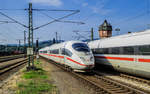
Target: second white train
128	53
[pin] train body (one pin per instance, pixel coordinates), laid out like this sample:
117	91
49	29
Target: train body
128	53
73	54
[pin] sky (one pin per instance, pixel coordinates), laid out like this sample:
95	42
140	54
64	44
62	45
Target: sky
127	15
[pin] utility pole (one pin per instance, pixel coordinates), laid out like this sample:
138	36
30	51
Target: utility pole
19	45
37	45
92	34
30	40
60	38
6	49
54	41
24	43
56	37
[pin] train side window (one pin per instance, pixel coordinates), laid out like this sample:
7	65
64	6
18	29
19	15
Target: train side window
98	51
101	51
51	51
144	50
55	51
128	50
105	51
68	53
63	51
115	50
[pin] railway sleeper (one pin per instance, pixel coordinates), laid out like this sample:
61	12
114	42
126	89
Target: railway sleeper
6	66
114	89
122	91
135	78
11	67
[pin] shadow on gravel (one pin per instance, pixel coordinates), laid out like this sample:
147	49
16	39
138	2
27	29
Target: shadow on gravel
107	69
87	73
58	71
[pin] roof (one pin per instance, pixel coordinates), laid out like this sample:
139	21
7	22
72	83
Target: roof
105	26
132	39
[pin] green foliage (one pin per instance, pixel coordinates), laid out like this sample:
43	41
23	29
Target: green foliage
33	87
35	74
35	82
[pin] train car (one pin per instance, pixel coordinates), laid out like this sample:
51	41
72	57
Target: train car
128	53
73	54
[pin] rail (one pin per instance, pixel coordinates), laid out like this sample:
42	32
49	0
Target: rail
101	84
12	57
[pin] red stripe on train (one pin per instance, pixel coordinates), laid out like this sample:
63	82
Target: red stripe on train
116	58
67	59
54	55
75	61
143	60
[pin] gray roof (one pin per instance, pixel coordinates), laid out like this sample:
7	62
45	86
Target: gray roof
105	26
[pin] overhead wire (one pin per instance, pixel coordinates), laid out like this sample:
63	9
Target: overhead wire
61	20
13	20
131	18
55	20
12	9
55	10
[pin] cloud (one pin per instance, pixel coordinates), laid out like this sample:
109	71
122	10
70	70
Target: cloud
85	4
55	3
100	8
95	9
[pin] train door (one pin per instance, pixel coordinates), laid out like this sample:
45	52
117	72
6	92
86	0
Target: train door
65	57
61	53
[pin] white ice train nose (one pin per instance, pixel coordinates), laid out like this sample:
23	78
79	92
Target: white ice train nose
88	61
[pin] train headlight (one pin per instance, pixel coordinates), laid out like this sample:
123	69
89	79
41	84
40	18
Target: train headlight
82	58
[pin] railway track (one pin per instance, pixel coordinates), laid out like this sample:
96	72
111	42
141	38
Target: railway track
12	57
101	84
5	68
134	82
9	68
135	78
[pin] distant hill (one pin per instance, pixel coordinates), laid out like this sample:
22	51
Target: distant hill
47	43
13	47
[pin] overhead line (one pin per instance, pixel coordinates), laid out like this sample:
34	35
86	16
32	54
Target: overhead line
54	10
56	20
13	20
132	18
12	9
62	21
6	22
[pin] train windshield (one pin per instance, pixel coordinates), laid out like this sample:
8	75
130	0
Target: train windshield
81	47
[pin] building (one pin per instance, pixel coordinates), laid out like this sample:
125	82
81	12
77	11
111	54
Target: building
105	30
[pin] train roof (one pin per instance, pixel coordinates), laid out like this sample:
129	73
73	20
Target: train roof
132	39
56	46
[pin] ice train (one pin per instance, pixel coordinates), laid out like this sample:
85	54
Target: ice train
128	53
73	54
